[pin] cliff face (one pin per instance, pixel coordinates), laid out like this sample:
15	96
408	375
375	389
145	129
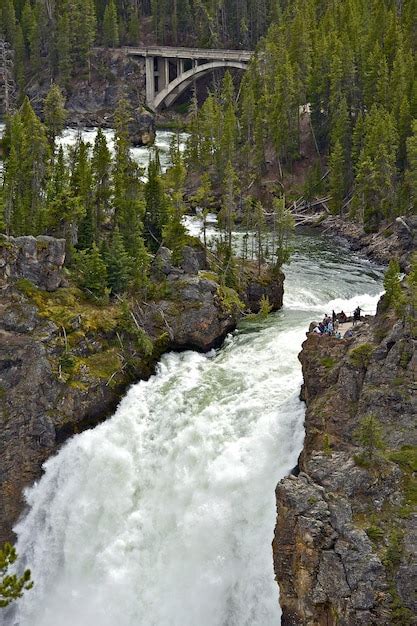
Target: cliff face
64	362
397	240
92	97
345	547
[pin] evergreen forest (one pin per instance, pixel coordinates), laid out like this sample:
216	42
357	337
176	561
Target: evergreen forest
342	73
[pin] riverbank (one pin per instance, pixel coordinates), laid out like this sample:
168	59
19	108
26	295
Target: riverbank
345	549
395	240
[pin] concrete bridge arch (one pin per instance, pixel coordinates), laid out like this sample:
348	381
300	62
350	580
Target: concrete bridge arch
170	71
175	88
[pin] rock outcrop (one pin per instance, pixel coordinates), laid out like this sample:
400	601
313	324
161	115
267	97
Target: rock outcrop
39	260
345	547
269	284
92	97
142	128
65	362
397	240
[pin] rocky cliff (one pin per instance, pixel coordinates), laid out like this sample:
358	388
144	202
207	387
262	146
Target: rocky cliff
92	97
345	547
65	362
395	240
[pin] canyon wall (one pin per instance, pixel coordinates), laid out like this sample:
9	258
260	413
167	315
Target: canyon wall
345	547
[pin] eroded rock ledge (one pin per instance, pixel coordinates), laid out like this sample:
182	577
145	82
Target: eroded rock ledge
396	240
345	547
65	363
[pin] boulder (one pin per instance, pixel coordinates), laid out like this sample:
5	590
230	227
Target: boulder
162	264
269	284
194	316
38	259
142	128
193	260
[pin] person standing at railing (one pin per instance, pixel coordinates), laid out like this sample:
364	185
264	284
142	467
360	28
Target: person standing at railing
357	315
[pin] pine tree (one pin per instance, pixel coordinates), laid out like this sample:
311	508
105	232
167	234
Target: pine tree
228	208
94	274
8	21
110	26
283	228
133	27
260	227
174	231
141	261
54	112
12	586
26	172
411	174
204	199
128	201
392	285
19	61
118	264
82	31
369	435
34	36
27	23
102	183
337	183
156	212
63	48
376	169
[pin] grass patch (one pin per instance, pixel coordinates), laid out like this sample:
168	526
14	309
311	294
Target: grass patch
375	533
102	364
206	275
328	362
65	305
361	356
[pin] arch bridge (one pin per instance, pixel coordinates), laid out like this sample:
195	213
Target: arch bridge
170	71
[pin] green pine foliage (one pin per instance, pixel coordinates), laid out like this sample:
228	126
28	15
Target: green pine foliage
348	70
93	271
94	200
369	436
118	264
54	112
26	172
12	586
392	284
156	206
110	26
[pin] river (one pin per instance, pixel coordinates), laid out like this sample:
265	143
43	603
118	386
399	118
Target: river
140	155
164	514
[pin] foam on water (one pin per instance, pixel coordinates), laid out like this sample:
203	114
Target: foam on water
164	515
140	154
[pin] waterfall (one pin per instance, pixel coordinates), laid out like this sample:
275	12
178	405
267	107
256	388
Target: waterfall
164	515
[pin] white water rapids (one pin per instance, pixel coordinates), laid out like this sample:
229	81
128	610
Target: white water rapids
164	515
141	155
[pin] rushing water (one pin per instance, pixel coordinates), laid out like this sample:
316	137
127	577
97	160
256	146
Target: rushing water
164	515
140	155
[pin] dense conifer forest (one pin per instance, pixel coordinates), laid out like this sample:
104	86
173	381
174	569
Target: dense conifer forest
347	70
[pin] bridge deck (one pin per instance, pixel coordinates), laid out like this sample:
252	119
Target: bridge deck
191	53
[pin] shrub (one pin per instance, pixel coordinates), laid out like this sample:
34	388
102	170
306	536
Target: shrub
361	356
12	586
369	436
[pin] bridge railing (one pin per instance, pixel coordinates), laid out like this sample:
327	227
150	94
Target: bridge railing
190	53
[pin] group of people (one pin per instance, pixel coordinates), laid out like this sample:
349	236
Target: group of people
330	325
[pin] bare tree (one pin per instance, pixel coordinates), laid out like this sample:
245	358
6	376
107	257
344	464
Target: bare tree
7	84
